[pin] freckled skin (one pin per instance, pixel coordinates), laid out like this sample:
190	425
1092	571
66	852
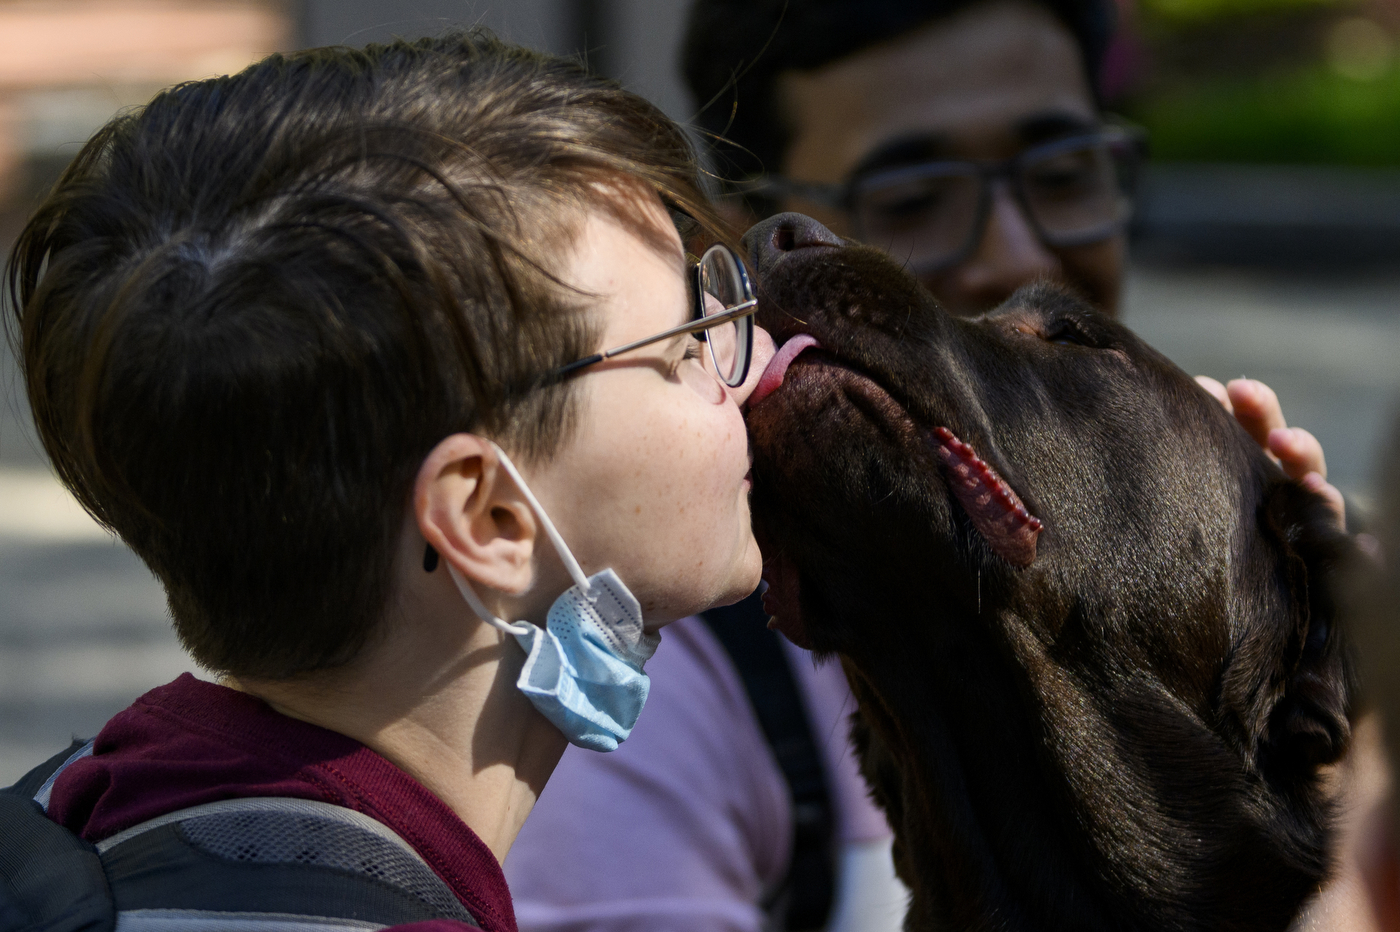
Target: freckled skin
970	77
653	481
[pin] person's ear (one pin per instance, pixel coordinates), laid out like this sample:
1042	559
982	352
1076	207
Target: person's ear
473	515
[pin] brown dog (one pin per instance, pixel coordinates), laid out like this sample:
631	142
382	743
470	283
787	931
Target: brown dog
1086	620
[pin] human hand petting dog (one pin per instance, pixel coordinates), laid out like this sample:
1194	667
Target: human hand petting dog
1256	407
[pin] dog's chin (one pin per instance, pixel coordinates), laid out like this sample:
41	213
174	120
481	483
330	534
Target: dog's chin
823	396
782	600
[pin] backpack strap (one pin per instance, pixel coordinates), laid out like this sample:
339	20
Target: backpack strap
274	860
38	783
50	879
243	865
803	901
194	920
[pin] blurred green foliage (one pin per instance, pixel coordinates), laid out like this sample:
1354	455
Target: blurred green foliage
1310	81
1313	114
1183	12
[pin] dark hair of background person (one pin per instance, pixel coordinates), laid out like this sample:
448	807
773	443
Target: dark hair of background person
735	50
249	310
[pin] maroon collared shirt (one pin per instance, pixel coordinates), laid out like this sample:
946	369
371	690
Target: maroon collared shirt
191	742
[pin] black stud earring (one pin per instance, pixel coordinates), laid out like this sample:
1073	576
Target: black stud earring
430	559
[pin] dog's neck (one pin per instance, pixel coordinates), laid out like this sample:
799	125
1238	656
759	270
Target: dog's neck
1021	800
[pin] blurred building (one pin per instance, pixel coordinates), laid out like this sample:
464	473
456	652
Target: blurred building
66	67
634	41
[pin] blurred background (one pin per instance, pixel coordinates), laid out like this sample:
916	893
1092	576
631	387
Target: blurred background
1266	243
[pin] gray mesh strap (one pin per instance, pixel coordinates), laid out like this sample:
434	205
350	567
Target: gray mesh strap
199	920
232	810
275	857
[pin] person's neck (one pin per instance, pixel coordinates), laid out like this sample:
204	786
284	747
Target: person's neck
437	698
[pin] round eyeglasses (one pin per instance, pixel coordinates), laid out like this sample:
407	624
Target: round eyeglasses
722	308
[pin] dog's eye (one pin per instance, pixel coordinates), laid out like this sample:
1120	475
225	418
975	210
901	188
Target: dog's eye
1067	333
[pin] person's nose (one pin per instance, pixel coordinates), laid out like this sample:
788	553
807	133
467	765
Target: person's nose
767	242
1009	255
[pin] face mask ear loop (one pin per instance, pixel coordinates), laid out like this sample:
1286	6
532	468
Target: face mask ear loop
565	554
477	606
550	531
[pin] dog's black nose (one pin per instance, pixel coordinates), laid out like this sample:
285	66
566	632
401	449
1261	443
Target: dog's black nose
769	241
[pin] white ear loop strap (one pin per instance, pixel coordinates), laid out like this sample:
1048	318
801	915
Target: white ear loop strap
565	554
550	531
477	606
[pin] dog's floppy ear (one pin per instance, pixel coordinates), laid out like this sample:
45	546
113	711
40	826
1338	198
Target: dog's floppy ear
1311	722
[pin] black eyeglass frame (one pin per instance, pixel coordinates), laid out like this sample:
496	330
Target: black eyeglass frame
743	312
1127	143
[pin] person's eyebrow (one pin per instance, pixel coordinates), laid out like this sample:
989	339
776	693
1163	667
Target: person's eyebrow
905	150
930	147
1042	127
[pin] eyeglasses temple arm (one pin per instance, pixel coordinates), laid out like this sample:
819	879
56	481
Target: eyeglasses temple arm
578	364
704	323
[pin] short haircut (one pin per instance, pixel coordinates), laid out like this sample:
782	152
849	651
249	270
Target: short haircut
249	310
735	50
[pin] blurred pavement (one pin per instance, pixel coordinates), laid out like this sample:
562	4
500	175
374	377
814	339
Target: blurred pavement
83	626
1328	344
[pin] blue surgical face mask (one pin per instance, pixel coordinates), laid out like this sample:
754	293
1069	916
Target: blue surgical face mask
583	671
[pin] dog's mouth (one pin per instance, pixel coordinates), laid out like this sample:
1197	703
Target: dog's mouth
777	368
993	506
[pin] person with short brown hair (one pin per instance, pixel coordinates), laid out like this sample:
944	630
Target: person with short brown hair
375	357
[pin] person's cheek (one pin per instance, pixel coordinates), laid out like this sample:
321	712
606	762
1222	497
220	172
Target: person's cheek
736	444
701	379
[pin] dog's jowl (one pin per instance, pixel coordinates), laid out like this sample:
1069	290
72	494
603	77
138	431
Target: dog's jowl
1087	621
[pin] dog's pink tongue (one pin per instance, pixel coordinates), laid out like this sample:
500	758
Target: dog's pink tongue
994	507
777	366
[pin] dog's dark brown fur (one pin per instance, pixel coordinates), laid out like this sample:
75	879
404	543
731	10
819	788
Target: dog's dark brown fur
1127	733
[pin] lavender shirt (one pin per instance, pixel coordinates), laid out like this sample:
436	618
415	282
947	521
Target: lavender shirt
688	824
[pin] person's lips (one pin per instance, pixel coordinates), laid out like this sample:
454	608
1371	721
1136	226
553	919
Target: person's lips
777	366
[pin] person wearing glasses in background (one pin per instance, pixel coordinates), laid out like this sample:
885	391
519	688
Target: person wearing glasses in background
965	137
391	365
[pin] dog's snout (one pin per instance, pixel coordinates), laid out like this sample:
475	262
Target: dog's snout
769	241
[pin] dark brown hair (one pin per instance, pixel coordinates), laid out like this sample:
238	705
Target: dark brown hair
248	311
735	52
